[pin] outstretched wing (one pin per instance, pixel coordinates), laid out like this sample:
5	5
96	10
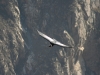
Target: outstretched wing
63	45
45	36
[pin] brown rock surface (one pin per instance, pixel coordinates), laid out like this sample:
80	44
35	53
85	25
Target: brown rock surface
72	22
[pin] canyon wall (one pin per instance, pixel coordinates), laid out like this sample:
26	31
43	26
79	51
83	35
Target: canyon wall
72	22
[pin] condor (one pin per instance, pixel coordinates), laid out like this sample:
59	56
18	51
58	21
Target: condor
52	41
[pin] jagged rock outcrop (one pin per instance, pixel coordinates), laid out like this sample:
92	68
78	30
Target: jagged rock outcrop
73	22
11	40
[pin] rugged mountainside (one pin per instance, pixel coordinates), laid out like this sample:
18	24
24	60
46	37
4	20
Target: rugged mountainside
72	22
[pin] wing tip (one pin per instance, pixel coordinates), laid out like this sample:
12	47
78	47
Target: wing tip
69	47
38	31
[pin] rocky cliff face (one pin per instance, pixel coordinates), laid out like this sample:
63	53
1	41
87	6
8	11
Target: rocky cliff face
72	22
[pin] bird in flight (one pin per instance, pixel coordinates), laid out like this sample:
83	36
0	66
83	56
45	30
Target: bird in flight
52	40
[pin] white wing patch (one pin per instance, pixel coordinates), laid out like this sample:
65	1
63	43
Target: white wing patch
60	44
45	36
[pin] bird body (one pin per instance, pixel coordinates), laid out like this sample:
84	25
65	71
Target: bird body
52	40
